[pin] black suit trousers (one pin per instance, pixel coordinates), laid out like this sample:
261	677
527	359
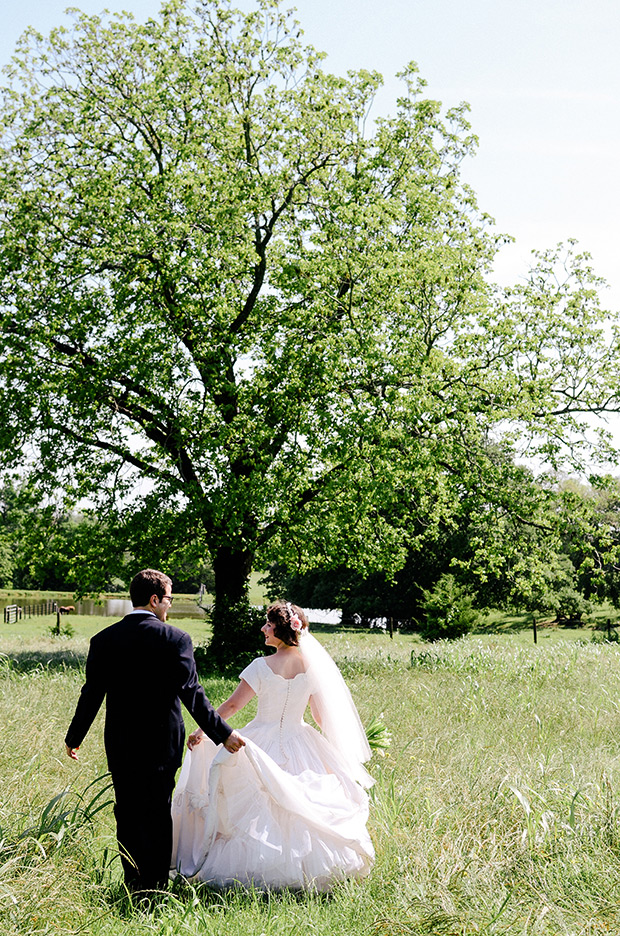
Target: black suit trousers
144	826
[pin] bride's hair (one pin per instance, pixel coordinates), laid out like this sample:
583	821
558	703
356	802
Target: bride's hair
288	621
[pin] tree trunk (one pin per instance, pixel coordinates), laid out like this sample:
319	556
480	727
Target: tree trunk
236	635
232	568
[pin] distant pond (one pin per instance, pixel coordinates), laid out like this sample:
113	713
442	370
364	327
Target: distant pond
118	608
110	607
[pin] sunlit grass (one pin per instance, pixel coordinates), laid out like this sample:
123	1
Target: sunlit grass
495	808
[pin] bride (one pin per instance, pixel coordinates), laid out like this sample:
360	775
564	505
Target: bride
290	809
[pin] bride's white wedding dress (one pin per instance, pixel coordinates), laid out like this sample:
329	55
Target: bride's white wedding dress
282	812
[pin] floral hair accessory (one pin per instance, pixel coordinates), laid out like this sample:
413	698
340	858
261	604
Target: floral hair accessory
294	621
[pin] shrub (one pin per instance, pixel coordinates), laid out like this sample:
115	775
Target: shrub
449	611
236	642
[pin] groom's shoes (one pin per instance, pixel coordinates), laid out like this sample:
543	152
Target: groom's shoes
144	898
142	890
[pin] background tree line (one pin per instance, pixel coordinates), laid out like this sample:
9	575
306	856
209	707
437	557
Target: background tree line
562	565
46	547
482	559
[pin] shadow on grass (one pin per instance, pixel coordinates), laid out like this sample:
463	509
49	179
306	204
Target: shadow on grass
242	896
513	624
346	629
41	661
31	661
184	895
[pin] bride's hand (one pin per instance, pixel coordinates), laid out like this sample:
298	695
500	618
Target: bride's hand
195	738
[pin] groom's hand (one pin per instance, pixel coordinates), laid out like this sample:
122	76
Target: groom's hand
234	742
195	738
72	752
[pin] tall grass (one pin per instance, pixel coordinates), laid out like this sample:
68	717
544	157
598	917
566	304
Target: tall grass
495	809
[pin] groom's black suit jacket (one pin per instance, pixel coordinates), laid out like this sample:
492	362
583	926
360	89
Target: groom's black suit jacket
145	669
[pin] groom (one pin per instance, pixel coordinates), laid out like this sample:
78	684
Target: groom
145	668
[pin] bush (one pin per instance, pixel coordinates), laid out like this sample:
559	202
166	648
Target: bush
449	611
571	606
236	639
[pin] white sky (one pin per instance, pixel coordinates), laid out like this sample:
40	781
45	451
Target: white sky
542	78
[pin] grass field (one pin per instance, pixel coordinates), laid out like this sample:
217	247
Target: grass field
495	810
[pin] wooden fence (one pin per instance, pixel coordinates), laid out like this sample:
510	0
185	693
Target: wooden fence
13	613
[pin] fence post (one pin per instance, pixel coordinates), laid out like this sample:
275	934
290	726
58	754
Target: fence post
534	629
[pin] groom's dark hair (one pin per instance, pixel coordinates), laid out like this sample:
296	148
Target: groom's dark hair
146	583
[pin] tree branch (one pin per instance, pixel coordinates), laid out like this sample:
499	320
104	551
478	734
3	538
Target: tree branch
146	467
304	498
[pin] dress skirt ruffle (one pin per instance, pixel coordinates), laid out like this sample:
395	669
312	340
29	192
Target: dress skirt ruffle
283	812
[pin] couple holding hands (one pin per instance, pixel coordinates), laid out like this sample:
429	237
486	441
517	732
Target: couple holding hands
281	805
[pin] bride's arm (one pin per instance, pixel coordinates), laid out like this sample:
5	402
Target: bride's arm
234	703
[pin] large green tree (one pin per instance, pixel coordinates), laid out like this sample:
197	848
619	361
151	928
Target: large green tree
236	315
